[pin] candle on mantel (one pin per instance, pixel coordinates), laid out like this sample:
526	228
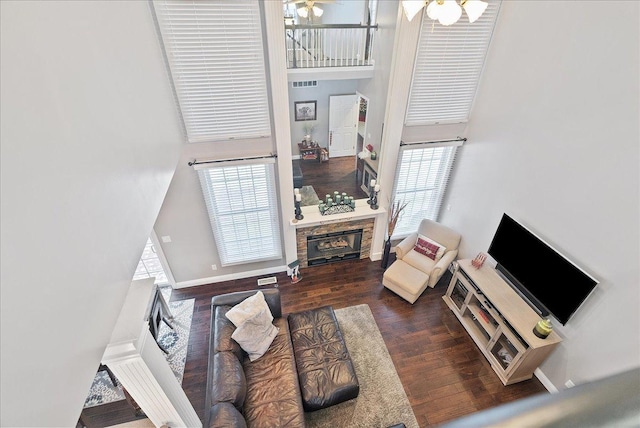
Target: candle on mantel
373	183
298	197
296	191
376	188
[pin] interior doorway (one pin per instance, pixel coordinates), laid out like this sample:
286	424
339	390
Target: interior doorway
343	125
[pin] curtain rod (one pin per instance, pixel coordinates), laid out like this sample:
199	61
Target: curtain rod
195	162
402	143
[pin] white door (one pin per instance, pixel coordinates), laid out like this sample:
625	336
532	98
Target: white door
343	125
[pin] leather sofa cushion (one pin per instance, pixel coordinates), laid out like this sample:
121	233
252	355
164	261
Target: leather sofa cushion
273	393
224	415
229	383
223	329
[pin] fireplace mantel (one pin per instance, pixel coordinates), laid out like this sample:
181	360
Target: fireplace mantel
312	216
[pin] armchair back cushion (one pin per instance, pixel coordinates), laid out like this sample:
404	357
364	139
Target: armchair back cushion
440	233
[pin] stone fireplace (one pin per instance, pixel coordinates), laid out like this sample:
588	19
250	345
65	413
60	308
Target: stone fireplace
333	247
333	242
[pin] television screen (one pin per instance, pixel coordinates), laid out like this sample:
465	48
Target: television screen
552	284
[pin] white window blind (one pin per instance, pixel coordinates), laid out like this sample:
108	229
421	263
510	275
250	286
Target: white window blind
242	206
215	52
447	70
421	180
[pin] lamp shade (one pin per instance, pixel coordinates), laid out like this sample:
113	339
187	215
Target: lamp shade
412	7
317	11
474	9
449	12
433	10
303	12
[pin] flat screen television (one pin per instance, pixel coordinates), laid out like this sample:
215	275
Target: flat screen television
550	282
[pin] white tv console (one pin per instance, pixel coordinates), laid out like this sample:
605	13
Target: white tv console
499	321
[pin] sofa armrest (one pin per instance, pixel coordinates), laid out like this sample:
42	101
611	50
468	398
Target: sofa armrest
271	295
442	266
406	245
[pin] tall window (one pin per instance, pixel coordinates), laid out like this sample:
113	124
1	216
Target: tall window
216	56
422	176
241	201
447	69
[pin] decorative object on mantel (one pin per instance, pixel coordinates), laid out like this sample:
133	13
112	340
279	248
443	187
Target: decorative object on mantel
372	184
297	199
337	203
394	214
374	197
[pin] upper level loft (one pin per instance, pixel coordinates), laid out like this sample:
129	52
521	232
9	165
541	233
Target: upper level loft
329	40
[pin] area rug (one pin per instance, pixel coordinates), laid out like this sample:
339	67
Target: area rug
308	196
175	341
382	401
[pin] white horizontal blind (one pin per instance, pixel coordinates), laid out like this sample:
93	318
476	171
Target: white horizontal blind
216	56
421	180
448	67
242	206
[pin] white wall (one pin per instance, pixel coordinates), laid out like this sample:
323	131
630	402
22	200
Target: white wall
321	94
90	138
554	141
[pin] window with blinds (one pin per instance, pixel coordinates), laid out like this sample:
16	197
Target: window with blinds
447	69
421	180
242	205
216	57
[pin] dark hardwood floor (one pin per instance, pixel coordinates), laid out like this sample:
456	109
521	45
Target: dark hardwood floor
444	374
336	174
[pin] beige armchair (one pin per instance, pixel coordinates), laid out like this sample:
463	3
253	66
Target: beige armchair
413	272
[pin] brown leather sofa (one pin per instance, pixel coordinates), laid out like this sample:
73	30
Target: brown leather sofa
241	393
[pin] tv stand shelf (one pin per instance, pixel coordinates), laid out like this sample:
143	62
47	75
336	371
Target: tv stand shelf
499	321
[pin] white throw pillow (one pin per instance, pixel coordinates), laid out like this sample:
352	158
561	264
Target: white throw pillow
254	329
248	308
256	334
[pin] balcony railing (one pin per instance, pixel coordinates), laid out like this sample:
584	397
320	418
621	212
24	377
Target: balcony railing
331	45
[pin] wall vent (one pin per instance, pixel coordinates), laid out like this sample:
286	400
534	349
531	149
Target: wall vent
305	84
269	280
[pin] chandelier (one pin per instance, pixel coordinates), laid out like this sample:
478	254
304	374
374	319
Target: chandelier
447	12
309	6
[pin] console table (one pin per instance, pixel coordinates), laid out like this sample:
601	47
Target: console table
313	152
499	321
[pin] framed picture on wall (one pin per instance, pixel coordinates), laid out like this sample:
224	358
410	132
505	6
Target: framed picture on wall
305	110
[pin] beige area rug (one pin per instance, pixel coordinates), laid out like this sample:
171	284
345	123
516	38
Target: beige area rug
382	401
308	196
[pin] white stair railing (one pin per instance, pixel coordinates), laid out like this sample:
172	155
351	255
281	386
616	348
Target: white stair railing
339	45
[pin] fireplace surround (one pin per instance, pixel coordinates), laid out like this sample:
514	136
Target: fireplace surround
337	241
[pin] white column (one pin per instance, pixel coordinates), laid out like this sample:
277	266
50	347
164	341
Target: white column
282	129
136	360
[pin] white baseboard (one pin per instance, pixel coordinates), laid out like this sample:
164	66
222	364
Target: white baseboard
544	380
376	256
230	277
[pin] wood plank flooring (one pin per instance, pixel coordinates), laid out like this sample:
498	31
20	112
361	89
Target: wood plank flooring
444	374
336	174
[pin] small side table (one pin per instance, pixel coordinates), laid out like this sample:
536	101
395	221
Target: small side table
309	152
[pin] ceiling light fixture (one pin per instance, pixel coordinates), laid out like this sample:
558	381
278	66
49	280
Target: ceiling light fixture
446	12
309	9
